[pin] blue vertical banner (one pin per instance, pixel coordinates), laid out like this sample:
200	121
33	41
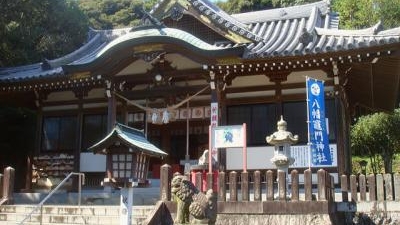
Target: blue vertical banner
317	130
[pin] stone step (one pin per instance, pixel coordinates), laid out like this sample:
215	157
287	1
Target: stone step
51	214
76	210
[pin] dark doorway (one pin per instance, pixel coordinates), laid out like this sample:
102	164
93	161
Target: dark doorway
17	141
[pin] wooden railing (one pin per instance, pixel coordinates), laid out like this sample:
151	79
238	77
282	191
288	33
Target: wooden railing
237	186
373	187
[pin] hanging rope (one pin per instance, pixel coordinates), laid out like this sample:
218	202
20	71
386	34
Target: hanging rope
165	112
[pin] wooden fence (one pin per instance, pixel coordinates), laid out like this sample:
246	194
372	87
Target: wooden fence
274	189
379	187
267	186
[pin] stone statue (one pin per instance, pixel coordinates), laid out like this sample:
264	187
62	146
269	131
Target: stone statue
203	160
190	201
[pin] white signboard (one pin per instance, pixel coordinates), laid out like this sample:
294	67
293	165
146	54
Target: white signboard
260	157
228	136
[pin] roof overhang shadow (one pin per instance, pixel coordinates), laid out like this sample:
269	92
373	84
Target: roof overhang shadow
375	85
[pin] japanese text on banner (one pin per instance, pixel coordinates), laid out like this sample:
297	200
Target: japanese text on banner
318	136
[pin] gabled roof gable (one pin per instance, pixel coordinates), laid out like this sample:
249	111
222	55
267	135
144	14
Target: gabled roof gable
131	137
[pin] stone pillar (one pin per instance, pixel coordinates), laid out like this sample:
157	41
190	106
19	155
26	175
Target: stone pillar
388	187
257	186
233	186
295	185
321	185
282	185
210	181
270	185
8	184
396	184
353	187
308	185
245	186
165	182
221	187
363	187
380	191
198	177
371	187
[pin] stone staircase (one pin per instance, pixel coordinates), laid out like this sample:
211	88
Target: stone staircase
71	215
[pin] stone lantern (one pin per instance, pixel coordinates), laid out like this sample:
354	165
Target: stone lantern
282	140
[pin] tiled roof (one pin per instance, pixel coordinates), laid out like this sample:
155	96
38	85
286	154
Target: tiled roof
100	43
292	31
132	137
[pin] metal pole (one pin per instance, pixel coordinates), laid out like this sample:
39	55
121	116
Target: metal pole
187	156
79	189
308	126
244	147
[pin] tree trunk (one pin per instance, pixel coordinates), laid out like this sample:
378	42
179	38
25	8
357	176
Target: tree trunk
388	162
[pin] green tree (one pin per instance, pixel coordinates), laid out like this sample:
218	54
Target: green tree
377	135
109	14
358	14
240	6
32	30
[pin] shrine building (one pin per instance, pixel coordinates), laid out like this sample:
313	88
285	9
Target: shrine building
189	64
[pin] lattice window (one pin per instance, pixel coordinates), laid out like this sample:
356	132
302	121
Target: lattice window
122	165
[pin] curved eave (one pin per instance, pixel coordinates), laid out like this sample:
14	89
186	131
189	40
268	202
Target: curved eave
293	12
167	39
117	135
28	73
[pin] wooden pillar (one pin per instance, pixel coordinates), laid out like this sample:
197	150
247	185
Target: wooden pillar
111	110
342	123
78	143
345	188
38	141
1	185
8	184
278	99
28	178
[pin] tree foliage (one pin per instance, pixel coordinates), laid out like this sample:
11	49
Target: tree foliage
377	135
241	6
109	14
32	30
358	14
